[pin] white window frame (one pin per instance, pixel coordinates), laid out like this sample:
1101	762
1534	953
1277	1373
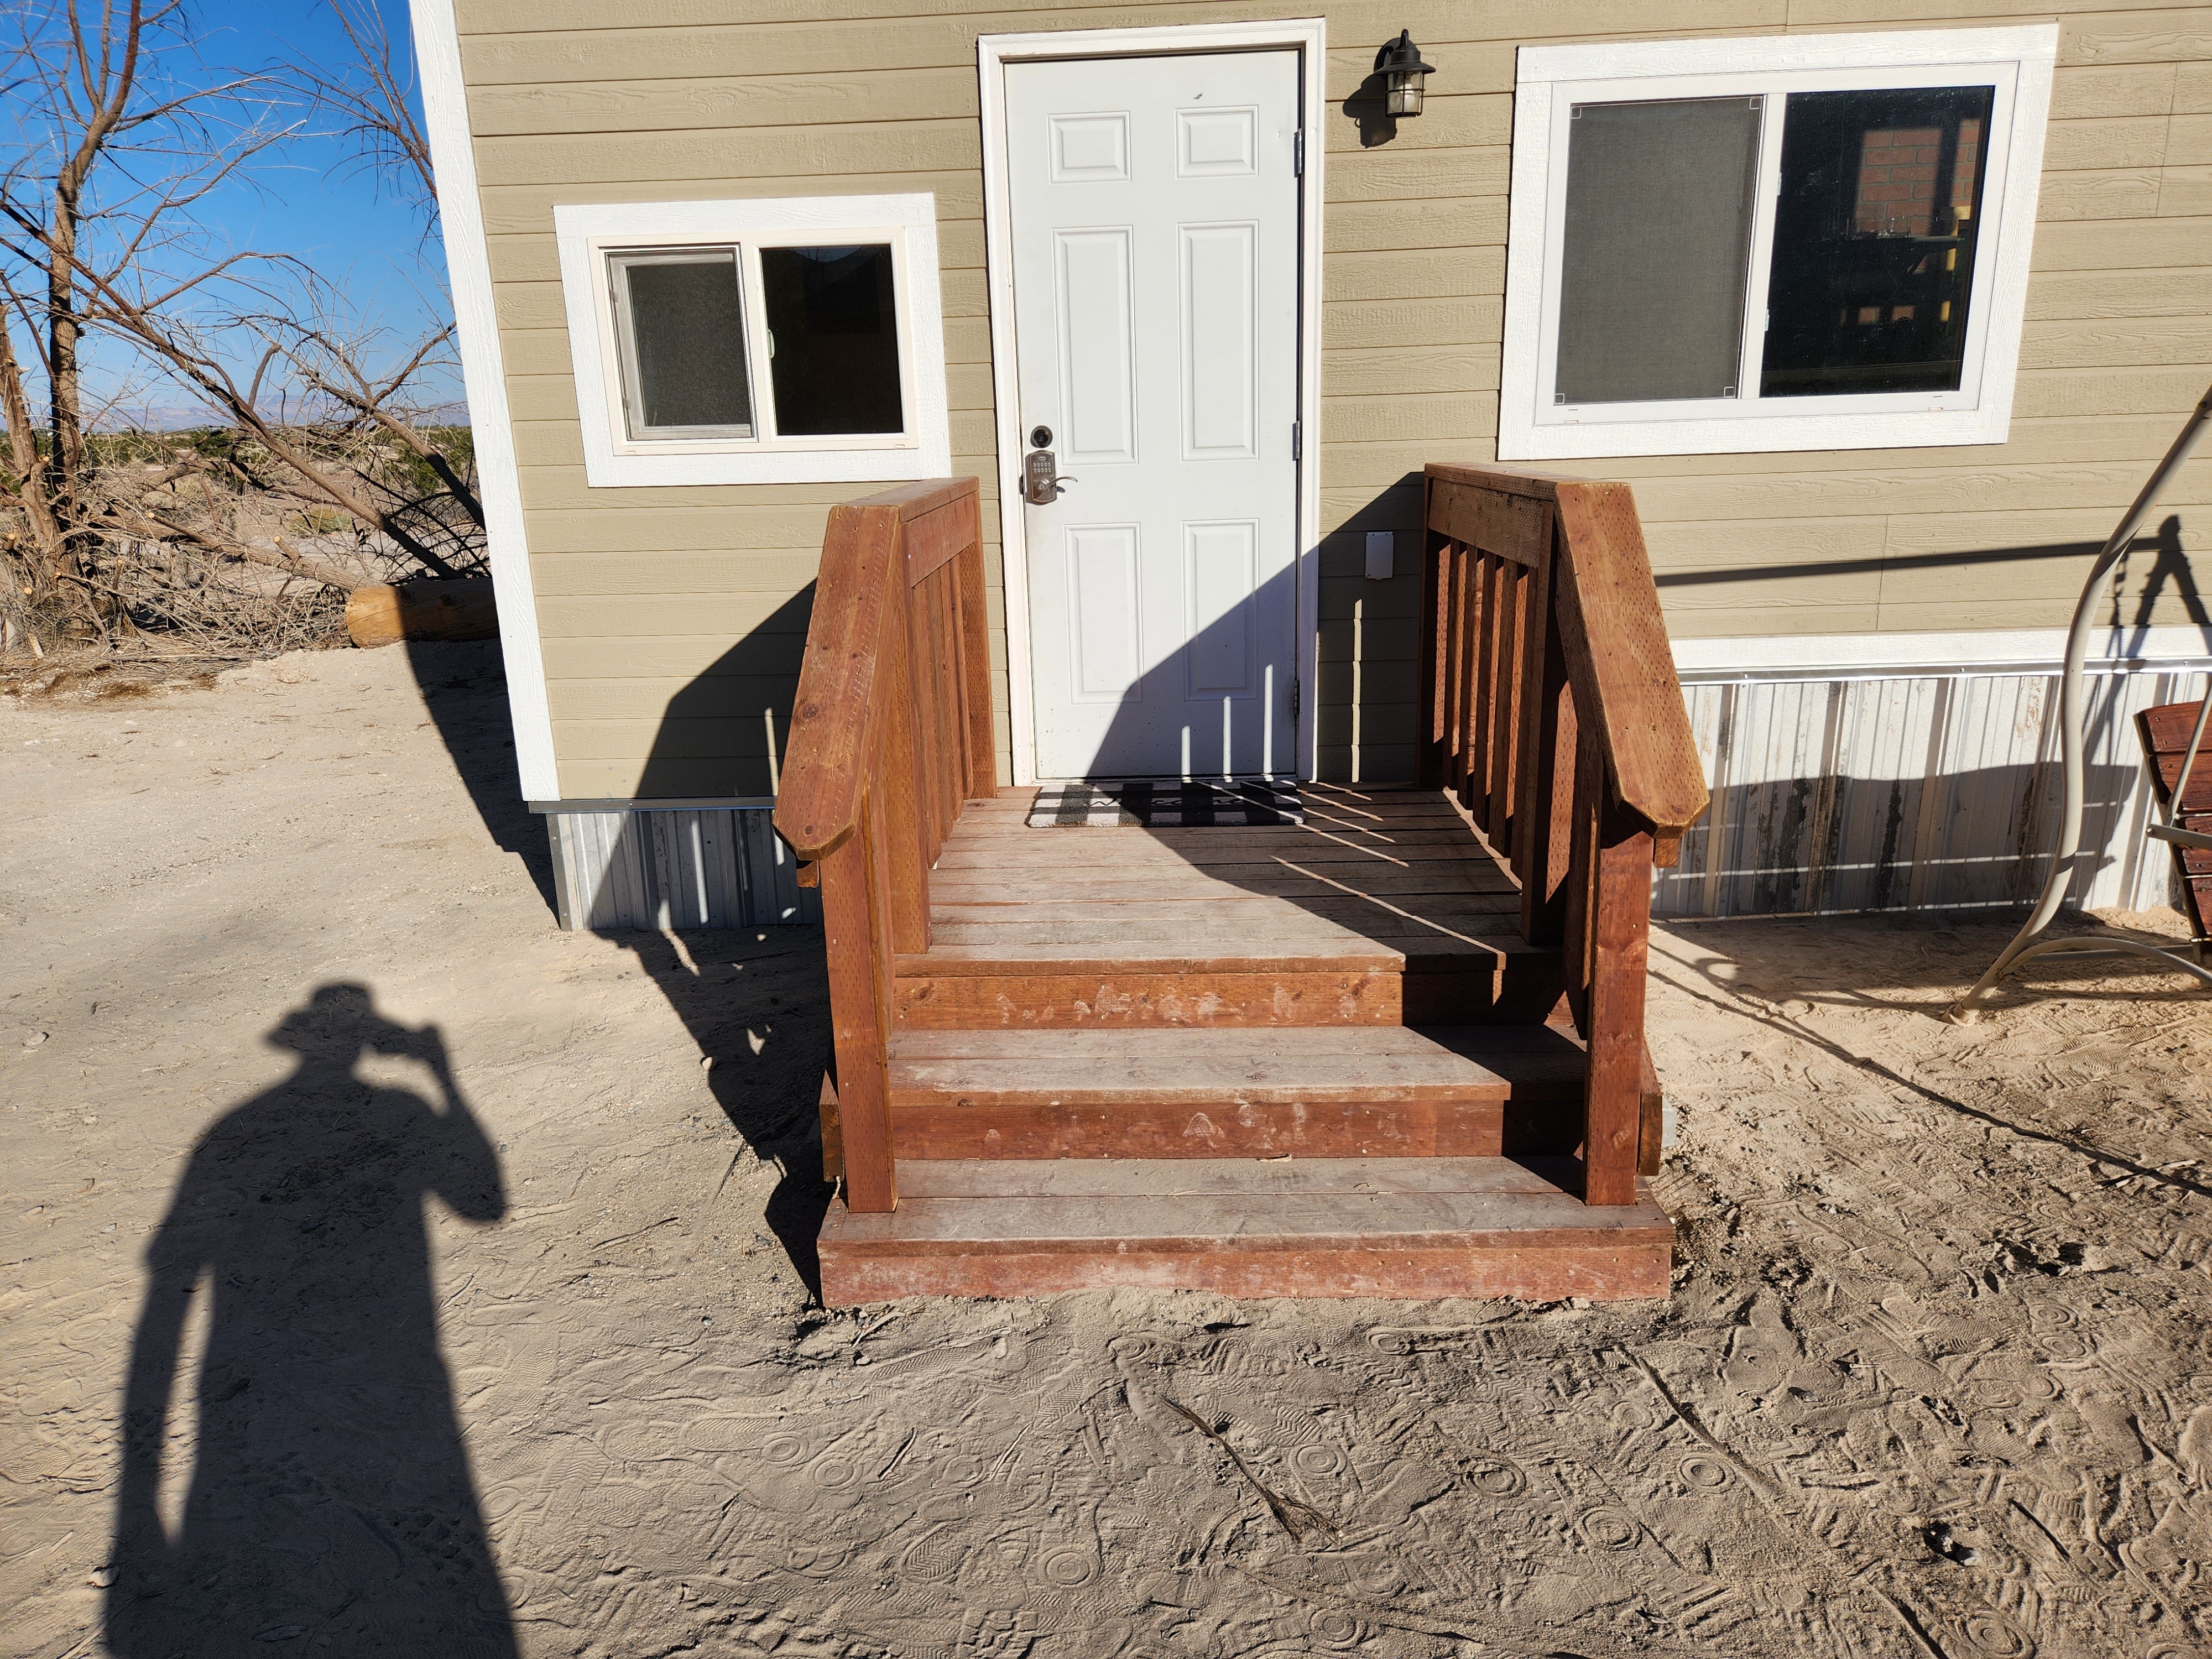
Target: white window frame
588	236
1551	80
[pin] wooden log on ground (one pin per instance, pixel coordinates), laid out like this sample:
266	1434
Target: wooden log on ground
462	609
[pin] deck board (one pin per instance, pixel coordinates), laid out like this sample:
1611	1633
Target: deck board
1202	1067
1274	926
1285	882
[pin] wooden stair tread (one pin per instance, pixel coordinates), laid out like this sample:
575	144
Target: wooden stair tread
1204	1065
1381	1227
998	849
1240	912
1221	880
1319	917
1009	901
1254	950
998	1203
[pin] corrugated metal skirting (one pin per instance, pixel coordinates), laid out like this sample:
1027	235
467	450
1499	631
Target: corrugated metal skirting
1938	792
675	869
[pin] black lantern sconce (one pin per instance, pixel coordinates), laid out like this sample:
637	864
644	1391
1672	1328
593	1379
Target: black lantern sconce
1403	72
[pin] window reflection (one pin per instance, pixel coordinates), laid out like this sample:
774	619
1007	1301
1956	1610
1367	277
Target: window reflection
1875	235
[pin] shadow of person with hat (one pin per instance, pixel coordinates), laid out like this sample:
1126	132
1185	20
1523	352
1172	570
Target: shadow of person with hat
330	1502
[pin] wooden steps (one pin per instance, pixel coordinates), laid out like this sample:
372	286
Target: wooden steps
1394	1049
1293	1060
1402	1227
1361	1092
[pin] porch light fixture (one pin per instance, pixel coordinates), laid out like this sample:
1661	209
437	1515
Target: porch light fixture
1403	72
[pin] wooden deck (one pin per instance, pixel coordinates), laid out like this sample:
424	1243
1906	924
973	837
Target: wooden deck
1396	1049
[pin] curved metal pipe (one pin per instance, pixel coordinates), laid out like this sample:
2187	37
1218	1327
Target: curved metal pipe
2073	714
2113	947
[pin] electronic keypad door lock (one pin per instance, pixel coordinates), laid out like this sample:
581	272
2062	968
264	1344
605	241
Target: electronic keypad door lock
1040	477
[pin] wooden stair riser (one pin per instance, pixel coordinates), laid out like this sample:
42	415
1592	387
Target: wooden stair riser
941	1127
1510	1266
1522	992
1408	1227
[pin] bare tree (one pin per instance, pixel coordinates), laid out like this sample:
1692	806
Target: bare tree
370	98
321	460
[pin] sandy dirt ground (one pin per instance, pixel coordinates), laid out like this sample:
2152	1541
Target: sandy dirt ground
383	1270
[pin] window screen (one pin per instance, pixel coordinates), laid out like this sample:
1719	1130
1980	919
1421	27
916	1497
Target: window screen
681	327
1874	233
1657	243
833	345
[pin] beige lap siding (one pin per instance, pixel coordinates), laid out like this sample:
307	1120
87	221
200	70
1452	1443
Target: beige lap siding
645	596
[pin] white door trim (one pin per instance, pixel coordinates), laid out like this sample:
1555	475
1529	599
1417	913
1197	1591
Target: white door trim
992	53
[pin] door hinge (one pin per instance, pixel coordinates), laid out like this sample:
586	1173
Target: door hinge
1298	442
1298	154
1294	695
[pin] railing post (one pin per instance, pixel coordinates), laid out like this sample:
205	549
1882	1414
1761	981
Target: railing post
855	939
1620	924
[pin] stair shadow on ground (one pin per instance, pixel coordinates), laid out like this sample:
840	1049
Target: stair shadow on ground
755	1000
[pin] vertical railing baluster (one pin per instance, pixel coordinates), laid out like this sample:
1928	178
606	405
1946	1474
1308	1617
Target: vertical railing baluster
1434	610
922	685
1505	723
981	743
899	755
952	779
1543	673
1457	664
1483	705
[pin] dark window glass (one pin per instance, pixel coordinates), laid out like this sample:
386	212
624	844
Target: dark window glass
686	342
1873	240
832	339
1657	243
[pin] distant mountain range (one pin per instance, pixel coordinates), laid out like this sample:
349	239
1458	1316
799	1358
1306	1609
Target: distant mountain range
150	418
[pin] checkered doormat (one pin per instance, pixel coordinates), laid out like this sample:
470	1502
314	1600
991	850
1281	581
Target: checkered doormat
1164	804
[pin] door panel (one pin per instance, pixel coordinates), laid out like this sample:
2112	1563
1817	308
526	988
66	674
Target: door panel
1222	561
1154	219
1103	634
1220	302
1098	342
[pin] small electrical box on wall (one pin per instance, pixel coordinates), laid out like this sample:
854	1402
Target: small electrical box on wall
1381	555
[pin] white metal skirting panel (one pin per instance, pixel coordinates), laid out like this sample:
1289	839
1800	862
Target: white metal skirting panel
675	870
1935	793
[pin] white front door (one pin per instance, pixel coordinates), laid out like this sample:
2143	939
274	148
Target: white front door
1154	214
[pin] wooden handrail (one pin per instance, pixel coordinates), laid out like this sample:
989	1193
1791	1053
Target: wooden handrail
1555	718
1616	638
890	734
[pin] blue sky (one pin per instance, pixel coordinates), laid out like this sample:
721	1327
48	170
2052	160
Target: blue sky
313	204
309	200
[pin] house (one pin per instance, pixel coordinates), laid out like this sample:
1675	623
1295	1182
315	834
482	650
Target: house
1881	308
1864	576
